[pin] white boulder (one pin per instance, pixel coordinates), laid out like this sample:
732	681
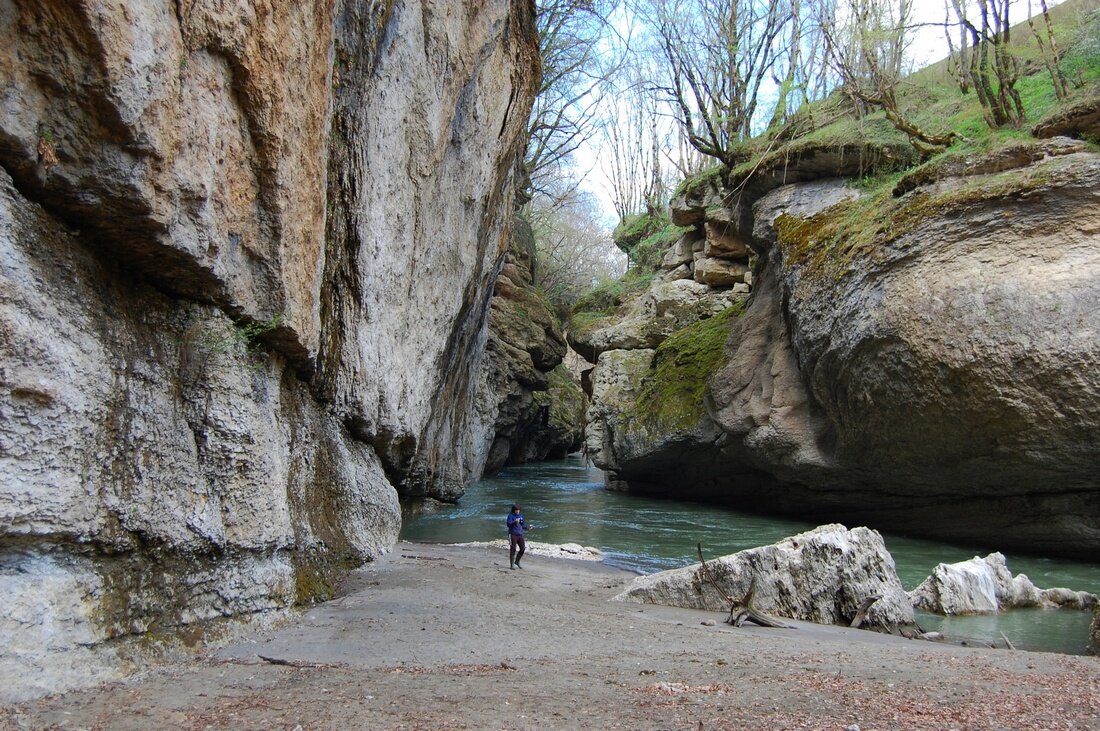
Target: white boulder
822	576
985	585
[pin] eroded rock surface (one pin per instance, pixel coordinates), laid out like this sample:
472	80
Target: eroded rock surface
247	252
529	405
823	575
909	361
984	585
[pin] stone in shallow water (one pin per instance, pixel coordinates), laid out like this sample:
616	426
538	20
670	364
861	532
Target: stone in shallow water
985	585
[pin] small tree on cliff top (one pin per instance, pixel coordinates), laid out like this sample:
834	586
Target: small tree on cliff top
719	53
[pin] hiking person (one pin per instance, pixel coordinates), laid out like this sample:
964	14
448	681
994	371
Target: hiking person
516	528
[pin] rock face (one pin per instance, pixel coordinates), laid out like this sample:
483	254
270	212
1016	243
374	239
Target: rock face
247	252
529	405
983	585
822	576
904	361
650	319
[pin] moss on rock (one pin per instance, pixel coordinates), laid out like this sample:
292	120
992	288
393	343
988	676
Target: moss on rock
826	244
672	393
565	398
645	237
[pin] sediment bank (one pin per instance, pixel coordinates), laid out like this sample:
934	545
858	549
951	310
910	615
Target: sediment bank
447	637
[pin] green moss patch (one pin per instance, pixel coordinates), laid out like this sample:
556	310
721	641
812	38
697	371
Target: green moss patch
712	177
645	238
609	297
672	394
565	398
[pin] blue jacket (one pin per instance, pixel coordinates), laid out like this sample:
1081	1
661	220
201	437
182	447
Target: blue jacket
516	524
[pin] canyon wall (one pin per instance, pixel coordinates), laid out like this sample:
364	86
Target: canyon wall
247	255
923	359
528	405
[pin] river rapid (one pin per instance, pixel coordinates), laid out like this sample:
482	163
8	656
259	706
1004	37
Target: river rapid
566	502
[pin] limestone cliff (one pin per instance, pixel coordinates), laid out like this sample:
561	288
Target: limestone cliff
922	359
247	254
528	404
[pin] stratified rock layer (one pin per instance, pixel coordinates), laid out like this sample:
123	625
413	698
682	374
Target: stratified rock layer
823	575
246	256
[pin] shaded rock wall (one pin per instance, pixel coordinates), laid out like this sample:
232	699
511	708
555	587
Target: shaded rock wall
910	363
528	403
247	253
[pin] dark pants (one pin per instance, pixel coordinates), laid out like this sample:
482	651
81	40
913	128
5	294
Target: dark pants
516	541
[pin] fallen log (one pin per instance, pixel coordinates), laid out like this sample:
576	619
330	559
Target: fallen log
292	663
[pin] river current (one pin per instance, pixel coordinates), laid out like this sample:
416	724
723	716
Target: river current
566	502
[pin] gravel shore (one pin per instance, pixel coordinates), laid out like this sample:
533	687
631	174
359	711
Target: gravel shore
447	637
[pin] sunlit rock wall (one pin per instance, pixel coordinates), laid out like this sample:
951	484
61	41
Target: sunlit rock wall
246	254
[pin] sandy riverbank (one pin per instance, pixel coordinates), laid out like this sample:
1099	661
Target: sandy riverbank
447	637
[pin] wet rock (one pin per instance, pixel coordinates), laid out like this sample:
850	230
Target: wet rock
822	576
985	585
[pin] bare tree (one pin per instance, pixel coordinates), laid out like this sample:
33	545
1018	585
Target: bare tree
786	84
635	138
990	59
1048	50
572	247
719	53
574	73
865	42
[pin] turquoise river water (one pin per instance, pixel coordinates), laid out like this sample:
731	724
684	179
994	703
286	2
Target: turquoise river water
566	502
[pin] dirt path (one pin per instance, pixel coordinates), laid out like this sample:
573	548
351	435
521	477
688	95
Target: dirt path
443	637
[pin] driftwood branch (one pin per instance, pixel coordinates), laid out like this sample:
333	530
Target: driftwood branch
292	663
861	615
741	611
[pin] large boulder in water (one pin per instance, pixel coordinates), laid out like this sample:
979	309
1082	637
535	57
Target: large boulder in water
821	576
985	585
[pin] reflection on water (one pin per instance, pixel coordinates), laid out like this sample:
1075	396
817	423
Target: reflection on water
566	502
